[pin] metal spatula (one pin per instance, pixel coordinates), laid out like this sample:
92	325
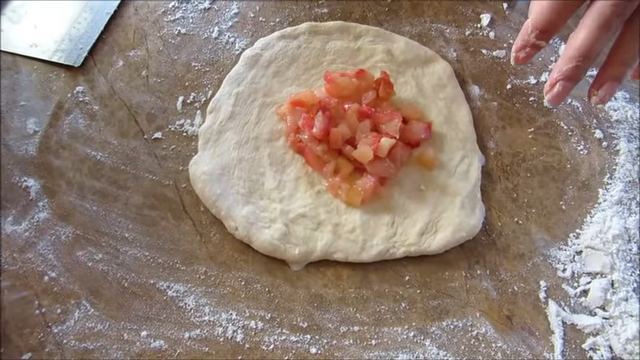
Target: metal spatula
58	31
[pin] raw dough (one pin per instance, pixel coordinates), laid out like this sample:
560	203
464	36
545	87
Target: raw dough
269	198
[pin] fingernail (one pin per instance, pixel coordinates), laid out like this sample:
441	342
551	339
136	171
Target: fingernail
604	94
516	56
556	95
523	56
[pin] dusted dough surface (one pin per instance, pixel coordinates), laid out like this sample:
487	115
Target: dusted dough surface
269	198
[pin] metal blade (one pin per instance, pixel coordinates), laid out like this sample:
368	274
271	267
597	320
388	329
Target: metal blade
58	31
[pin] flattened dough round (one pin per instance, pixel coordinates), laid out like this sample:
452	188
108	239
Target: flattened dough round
269	198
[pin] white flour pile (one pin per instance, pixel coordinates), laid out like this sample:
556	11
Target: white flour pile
600	261
599	264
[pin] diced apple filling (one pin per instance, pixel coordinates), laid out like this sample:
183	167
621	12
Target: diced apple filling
354	135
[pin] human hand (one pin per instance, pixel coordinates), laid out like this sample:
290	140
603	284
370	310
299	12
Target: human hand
600	23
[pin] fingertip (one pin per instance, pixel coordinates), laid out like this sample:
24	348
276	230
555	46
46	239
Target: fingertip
604	93
524	53
557	93
548	104
549	84
519	43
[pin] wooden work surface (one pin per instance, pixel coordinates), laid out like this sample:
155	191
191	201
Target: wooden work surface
108	252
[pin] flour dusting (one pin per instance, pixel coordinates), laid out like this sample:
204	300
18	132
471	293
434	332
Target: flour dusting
599	264
186	317
23	225
606	246
188	127
190	18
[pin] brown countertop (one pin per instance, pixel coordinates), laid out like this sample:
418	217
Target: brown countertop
107	251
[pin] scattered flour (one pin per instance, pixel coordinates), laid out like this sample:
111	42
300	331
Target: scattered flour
25	225
196	99
157	344
179	103
188	18
188	127
30	185
586	323
499	53
485	20
452	54
598	134
206	5
22	131
33	126
184	126
607	246
203	317
118	64
555	315
135	53
198	119
80	94
475	92
544	77
534	83
542	294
